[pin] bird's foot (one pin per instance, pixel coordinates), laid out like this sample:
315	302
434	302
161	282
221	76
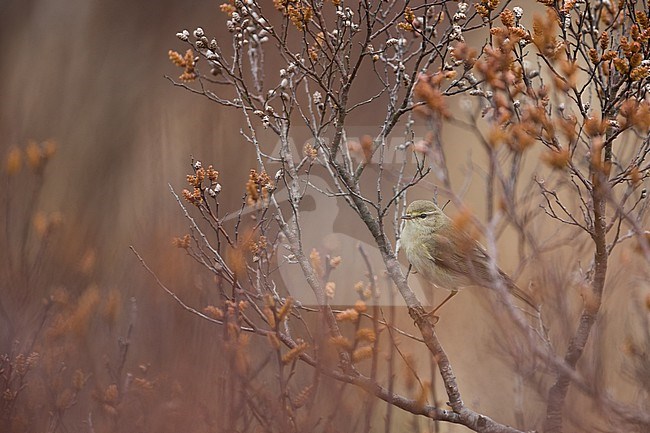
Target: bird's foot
434	318
423	315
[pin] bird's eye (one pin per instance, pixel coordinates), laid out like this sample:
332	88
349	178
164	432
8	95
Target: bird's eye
422	215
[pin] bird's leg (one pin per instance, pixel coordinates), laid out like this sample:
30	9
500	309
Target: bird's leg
451	295
409	271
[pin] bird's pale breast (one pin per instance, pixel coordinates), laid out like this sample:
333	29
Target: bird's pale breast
422	257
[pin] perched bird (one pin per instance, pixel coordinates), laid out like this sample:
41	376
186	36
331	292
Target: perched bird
446	256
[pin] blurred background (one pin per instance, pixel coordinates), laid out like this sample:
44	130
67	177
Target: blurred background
86	78
91	134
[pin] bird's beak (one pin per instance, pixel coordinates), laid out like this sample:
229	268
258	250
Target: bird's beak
407	217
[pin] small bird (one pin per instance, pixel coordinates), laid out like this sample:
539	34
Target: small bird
446	256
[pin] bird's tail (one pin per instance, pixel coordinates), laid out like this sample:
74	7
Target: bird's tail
520	294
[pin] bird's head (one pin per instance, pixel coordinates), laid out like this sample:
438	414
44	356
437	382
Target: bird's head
424	213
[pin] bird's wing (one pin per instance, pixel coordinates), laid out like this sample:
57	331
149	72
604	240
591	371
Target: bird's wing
466	258
455	255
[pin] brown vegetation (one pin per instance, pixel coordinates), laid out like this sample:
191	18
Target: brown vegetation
348	112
